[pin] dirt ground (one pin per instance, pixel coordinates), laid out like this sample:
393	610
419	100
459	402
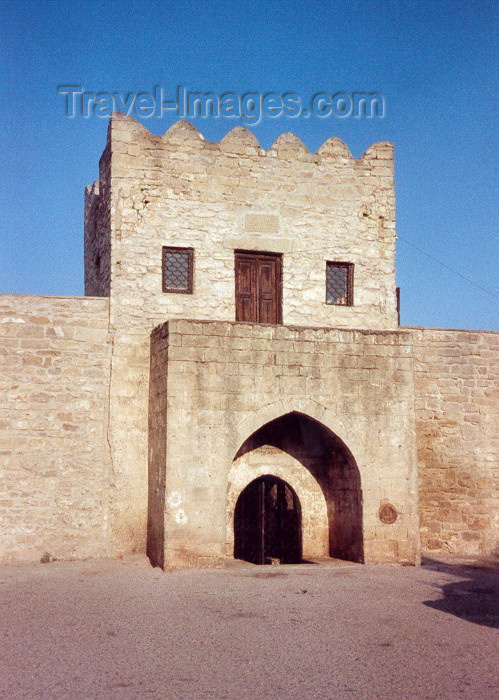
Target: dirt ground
332	630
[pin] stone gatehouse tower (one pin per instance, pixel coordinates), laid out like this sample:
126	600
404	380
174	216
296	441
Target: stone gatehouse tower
235	382
246	264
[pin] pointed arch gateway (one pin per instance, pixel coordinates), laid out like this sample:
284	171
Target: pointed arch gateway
267	523
318	470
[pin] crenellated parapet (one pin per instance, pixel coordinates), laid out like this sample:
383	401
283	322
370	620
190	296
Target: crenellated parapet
238	141
180	190
183	156
249	339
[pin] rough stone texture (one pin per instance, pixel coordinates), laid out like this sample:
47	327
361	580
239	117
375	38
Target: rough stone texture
268	459
456	377
85	386
55	466
157	447
226	380
128	439
97	237
179	190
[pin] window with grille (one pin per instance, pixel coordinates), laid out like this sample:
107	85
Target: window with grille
178	270
339	283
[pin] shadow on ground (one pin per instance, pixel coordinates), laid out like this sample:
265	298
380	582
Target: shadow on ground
475	597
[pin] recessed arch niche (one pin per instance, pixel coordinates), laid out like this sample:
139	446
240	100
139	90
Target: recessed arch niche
322	472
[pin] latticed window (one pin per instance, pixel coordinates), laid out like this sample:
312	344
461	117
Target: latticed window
178	270
339	283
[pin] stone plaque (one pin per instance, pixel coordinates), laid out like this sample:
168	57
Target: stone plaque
261	223
388	514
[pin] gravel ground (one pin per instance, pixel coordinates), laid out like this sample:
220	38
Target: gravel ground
332	630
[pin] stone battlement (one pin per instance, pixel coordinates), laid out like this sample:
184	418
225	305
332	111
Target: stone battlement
246	359
241	141
179	190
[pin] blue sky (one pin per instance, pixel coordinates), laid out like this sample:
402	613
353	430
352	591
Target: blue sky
431	61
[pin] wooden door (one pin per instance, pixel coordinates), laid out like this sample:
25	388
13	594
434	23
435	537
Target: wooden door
258	287
267	523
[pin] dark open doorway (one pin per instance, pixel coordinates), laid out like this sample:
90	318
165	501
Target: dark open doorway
333	466
267	523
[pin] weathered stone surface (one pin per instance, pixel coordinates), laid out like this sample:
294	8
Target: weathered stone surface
457	376
219	393
112	437
54	455
180	190
261	223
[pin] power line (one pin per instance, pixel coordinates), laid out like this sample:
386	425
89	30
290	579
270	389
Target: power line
447	267
428	255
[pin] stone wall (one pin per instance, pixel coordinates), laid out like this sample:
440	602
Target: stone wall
158	399
54	454
97	231
456	379
179	190
227	380
80	382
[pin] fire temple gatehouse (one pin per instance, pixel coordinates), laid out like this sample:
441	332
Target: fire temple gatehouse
235	383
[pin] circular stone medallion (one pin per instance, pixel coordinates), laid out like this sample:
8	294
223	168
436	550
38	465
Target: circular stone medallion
388	514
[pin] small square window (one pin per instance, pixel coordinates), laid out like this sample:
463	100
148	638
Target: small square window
339	283
178	266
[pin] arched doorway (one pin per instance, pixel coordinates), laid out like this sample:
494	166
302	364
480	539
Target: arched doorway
267	523
322	471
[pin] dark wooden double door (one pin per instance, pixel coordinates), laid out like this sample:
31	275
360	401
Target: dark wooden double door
267	523
258	287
